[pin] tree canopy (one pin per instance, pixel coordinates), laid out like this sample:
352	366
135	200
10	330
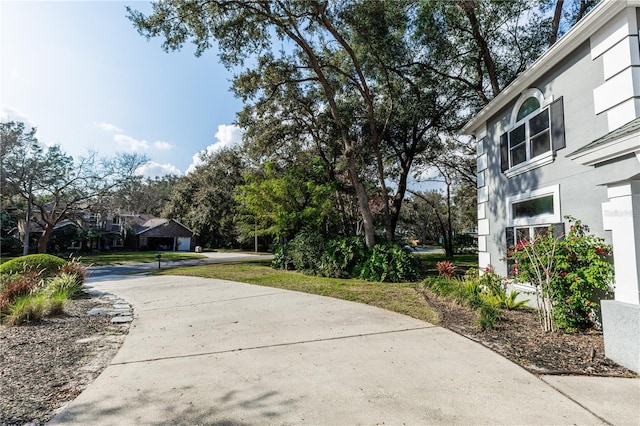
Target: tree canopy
51	183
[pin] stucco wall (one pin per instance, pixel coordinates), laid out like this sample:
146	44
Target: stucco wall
581	188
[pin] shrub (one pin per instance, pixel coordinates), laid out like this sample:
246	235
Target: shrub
46	263
342	256
74	267
464	243
18	285
67	284
484	293
445	269
56	302
26	308
509	301
10	246
488	316
305	251
389	262
281	258
571	275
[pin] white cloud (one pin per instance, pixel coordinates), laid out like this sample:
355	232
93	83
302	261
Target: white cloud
226	136
15	74
164	146
8	113
138	145
152	169
131	144
108	127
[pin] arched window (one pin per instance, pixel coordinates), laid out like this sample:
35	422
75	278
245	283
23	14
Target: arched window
528	106
528	143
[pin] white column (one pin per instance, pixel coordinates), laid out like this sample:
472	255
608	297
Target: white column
621	215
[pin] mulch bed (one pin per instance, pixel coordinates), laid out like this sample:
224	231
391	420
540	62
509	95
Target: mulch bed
43	366
519	338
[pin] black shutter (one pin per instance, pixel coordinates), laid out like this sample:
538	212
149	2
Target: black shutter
504	152
509	234
556	111
558	230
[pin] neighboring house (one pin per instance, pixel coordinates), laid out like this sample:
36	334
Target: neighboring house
164	234
83	229
564	139
96	231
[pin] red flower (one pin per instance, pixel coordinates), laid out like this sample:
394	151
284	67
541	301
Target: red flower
602	252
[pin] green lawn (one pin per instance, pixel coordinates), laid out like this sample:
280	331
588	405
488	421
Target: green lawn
403	298
121	258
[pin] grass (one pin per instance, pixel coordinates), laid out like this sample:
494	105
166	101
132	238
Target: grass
403	298
122	258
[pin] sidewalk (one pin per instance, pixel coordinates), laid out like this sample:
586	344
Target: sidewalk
215	352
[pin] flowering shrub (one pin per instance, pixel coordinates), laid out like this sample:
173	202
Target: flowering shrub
571	274
445	269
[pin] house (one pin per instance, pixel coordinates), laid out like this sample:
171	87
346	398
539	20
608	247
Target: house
161	234
564	139
87	230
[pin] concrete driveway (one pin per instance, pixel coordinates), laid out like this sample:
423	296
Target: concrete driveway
204	351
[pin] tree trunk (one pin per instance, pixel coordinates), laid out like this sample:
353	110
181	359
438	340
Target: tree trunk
43	242
363	203
27	222
469	6
555	24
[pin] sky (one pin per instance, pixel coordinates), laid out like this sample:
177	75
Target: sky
80	72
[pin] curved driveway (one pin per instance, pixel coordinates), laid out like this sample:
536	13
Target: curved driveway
204	351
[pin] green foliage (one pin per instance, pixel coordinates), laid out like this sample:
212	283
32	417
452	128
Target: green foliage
281	203
67	284
342	256
488	316
26	308
509	301
463	243
281	258
204	200
347	258
56	302
306	251
485	293
10	246
29	294
76	269
48	264
388	262
578	270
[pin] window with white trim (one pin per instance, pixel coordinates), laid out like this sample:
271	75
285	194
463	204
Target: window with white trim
533	213
535	133
530	138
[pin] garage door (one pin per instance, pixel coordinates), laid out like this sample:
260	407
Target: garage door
183	244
